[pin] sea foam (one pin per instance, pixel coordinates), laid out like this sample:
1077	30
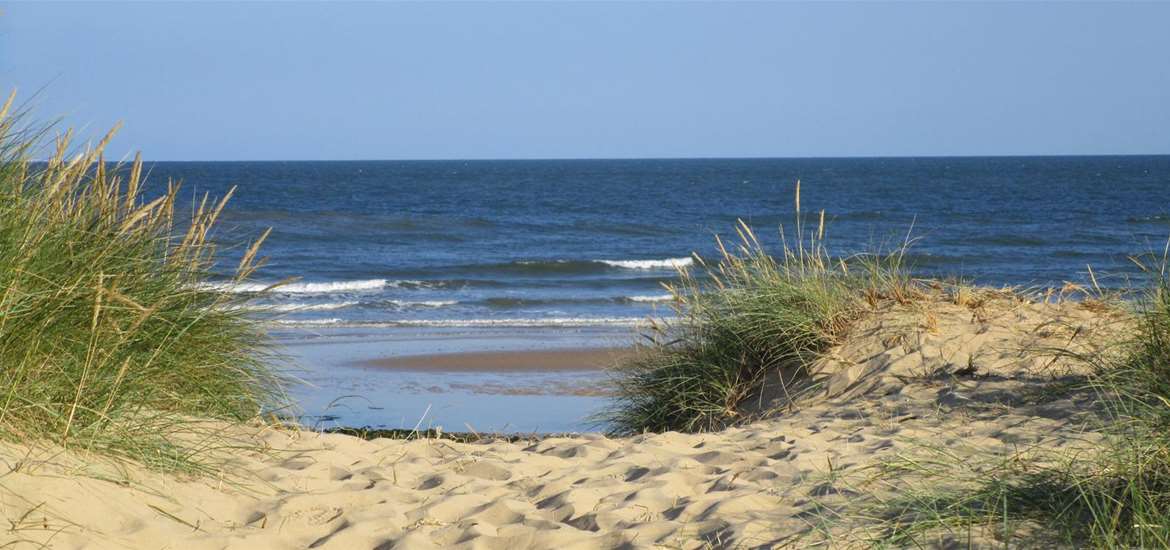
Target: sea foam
423	303
668	263
328	306
300	288
651	298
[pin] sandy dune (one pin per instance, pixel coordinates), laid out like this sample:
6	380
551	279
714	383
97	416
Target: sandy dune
969	377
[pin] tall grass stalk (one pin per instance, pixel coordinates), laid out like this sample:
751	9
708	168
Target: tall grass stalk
109	340
747	320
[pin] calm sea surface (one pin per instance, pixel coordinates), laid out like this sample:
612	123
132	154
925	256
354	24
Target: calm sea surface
535	243
400	258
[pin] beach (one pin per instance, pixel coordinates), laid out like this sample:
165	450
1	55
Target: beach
969	380
459	379
760	398
584	275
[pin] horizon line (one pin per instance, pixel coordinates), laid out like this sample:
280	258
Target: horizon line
553	159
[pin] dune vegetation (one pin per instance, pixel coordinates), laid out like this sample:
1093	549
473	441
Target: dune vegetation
747	323
109	339
1115	496
753	323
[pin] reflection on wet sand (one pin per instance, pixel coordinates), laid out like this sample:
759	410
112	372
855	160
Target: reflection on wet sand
536	360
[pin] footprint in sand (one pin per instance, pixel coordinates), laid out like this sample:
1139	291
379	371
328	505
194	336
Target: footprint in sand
488	471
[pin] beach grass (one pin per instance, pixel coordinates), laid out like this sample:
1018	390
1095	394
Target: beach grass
110	338
1116	495
747	321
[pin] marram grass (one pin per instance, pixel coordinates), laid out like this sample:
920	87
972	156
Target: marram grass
1114	496
747	321
108	340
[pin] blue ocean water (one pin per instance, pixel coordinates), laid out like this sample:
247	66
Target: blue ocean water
581	242
409	258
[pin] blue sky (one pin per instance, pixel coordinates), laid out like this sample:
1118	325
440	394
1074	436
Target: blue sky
585	80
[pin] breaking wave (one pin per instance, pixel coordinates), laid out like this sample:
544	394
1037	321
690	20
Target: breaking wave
422	303
295	307
668	263
334	287
651	298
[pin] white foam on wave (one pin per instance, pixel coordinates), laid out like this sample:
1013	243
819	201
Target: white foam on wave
300	288
456	323
651	298
328	306
423	303
297	307
668	263
308	322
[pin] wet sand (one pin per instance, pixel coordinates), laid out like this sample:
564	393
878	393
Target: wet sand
348	385
537	360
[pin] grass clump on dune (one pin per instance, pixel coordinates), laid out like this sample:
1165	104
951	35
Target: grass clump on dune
749	322
1123	500
1116	495
109	339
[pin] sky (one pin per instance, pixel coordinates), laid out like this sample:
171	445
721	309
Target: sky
337	81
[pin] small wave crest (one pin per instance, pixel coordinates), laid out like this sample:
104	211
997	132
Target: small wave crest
297	307
507	302
651	298
547	267
422	303
668	263
334	287
1154	218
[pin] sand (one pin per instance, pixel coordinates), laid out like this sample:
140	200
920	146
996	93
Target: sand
970	379
542	360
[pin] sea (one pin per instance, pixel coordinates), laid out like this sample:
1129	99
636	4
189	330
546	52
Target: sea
399	257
